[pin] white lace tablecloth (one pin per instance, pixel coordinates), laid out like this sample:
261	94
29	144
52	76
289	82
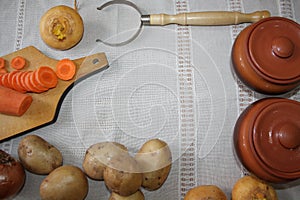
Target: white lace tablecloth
173	82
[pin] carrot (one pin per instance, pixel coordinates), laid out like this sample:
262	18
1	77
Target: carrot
29	84
46	77
35	83
65	69
5	80
18	62
3	71
13	102
10	77
2	63
14	83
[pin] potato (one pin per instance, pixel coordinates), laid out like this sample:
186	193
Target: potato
250	187
64	183
97	157
204	192
38	156
136	196
155	160
122	176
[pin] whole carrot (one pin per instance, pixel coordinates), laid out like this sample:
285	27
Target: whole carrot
13	102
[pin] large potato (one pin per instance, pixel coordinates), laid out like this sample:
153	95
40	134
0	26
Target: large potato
38	156
122	175
136	196
204	192
64	183
97	157
249	187
155	160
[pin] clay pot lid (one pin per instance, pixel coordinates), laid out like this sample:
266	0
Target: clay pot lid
276	137
274	48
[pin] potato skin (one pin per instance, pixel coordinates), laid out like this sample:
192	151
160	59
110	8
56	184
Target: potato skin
122	175
155	159
38	156
136	196
97	157
64	183
250	187
205	192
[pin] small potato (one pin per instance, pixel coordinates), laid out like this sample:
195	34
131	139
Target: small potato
64	183
136	196
250	187
38	156
97	157
155	160
204	192
122	175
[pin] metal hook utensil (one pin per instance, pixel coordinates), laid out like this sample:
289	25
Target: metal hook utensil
207	18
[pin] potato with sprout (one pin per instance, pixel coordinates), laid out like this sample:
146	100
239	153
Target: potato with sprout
61	27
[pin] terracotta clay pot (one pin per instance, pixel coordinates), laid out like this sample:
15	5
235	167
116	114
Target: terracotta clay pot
267	139
266	55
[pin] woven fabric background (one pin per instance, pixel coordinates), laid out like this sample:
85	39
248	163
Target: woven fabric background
173	82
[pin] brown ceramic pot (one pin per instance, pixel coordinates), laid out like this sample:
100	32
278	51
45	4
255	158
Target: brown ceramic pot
267	139
266	55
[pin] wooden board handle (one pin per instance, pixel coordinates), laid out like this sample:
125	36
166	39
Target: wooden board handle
208	18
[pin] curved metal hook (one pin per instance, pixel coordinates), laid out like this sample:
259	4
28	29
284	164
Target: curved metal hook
135	35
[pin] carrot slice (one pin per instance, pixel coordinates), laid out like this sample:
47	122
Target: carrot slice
46	77
65	69
10	78
29	84
15	84
3	71
36	84
13	102
5	80
18	62
2	63
22	80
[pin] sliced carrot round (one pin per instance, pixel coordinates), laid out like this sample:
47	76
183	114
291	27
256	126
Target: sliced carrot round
18	62
3	71
29	85
35	83
22	80
5	80
10	78
65	69
2	63
15	84
46	77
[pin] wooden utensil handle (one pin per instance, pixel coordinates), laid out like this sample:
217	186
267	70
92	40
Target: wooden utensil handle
208	18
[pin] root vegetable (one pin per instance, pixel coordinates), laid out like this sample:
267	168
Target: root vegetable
18	62
97	157
65	182
61	27
13	102
250	187
65	69
38	156
136	196
122	176
12	176
204	192
155	160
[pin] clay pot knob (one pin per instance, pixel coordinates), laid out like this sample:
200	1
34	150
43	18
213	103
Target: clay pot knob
289	136
282	47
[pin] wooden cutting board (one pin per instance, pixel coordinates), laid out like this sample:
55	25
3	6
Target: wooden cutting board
45	106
